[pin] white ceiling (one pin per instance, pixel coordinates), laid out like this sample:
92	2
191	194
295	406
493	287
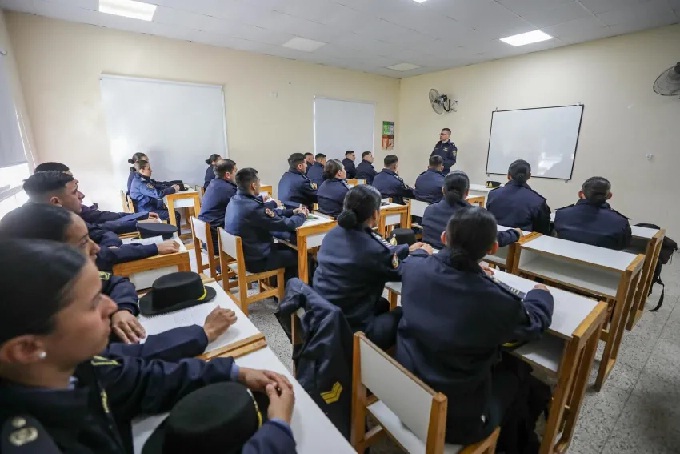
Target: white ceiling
369	35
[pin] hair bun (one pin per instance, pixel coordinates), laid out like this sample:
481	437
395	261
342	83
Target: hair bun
347	219
131	161
207	161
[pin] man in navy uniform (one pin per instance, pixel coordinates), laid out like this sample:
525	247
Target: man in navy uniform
250	218
217	196
365	169
390	184
295	188
348	163
446	149
309	160
315	172
429	183
591	220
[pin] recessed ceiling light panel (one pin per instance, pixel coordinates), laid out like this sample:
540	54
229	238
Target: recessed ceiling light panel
535	36
303	44
403	67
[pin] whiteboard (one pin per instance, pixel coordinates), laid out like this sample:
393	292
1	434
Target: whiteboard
178	125
343	125
545	137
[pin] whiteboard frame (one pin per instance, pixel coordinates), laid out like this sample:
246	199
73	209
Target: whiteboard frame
343	100
177	82
578	136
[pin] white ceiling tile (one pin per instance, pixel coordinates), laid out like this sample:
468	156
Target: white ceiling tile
435	25
522	7
173	16
568	31
92	5
488	16
26	6
602	6
547	16
386	31
643	15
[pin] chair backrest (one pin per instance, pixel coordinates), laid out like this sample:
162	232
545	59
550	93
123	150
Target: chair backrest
230	244
201	231
418	207
405	395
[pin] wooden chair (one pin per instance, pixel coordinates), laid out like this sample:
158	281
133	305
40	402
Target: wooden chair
201	234
128	206
406	409
355	181
233	264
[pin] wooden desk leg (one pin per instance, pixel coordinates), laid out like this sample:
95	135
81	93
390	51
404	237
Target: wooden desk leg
171	213
393	298
303	266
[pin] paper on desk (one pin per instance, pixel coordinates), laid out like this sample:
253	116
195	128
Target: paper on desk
153	240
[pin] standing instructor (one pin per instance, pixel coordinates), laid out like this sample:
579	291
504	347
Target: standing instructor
446	149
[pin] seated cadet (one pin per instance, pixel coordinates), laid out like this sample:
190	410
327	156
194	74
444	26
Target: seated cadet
354	263
315	172
390	184
455	320
41	221
591	220
348	163
428	187
295	188
60	189
216	198
517	205
456	189
333	190
309	160
146	196
160	185
250	218
365	169
210	171
56	395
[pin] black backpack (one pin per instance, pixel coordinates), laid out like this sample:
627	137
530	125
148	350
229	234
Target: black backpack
668	248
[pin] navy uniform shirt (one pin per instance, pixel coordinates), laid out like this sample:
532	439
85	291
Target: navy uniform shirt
248	217
598	225
315	173
428	186
366	171
517	205
146	195
331	196
392	186
448	151
450	336
115	222
296	189
215	201
209	176
348	164
436	218
353	267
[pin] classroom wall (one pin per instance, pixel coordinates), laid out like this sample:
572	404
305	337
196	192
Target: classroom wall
17	92
60	64
623	118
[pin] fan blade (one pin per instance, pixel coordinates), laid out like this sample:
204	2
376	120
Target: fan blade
668	83
437	108
434	94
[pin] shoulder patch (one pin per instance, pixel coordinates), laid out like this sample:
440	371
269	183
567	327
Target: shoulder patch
104	276
150	186
395	261
381	240
313	185
269	212
25	434
103	361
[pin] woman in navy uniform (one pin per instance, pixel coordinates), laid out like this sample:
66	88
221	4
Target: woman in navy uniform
160	185
295	188
354	263
428	187
332	191
436	217
147	196
210	171
517	205
40	221
390	184
591	220
56	394
455	320
365	169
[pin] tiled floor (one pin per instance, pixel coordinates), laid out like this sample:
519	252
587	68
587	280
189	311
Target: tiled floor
637	411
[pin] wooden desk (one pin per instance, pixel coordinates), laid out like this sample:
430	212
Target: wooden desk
313	431
393	214
504	258
268	189
142	273
566	352
480	190
355	182
309	236
588	270
479	200
648	242
182	199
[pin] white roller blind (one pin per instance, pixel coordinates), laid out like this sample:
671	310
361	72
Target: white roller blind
11	144
343	125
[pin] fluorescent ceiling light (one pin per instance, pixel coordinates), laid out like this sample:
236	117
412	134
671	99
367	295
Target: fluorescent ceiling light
419	1
303	44
403	67
535	36
128	8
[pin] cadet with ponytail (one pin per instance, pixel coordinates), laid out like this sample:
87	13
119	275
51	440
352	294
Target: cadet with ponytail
210	174
436	217
455	319
332	191
517	205
591	220
355	263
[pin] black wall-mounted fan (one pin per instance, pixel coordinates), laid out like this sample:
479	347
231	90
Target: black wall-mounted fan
442	103
668	83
